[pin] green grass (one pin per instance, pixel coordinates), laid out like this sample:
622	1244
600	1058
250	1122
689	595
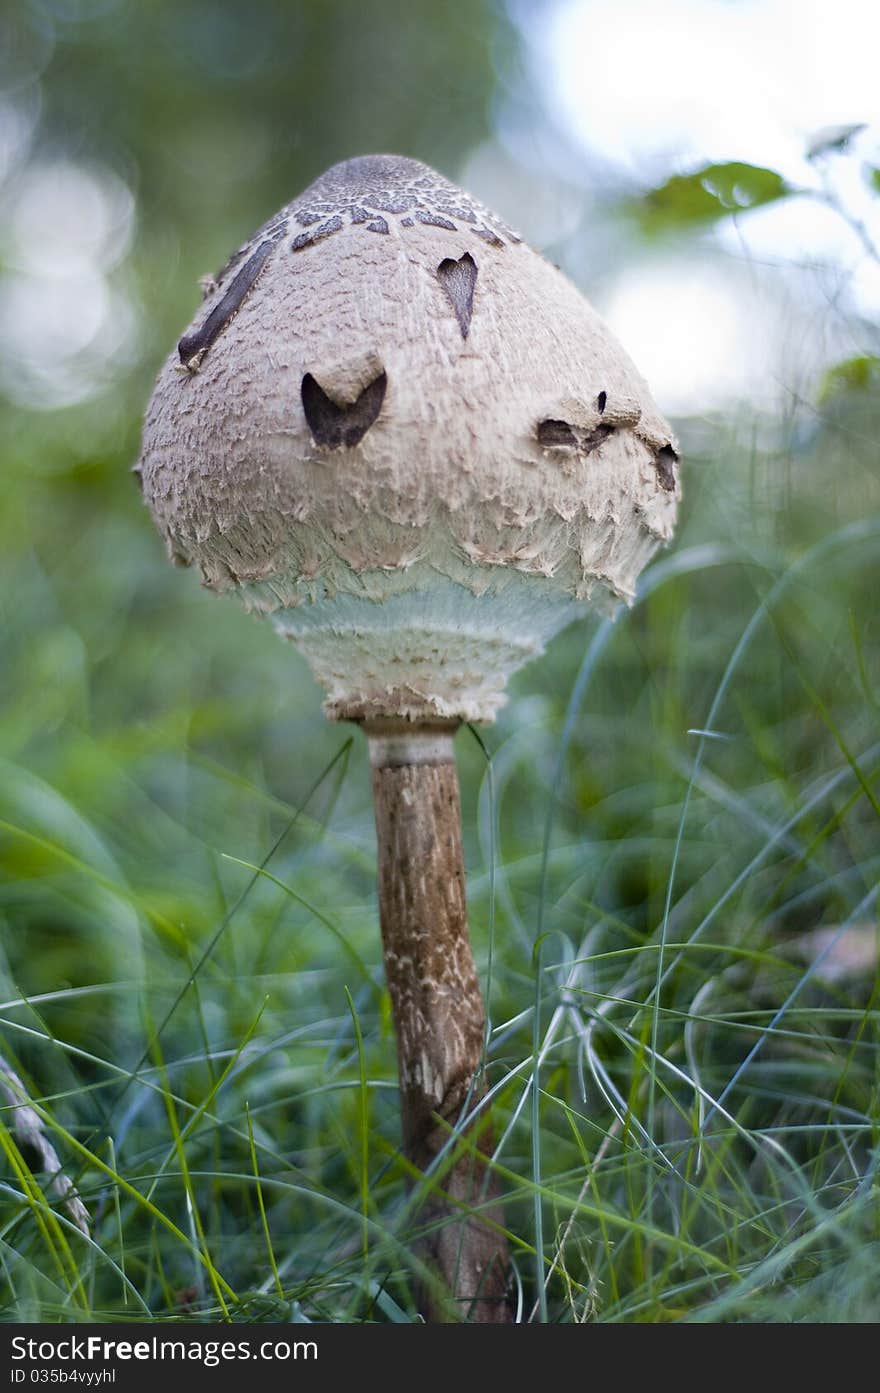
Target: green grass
685	1091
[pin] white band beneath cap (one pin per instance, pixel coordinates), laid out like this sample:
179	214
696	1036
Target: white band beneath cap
410	747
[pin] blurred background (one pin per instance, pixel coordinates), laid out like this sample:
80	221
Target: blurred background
700	773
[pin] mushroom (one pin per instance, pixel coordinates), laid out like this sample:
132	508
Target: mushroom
407	439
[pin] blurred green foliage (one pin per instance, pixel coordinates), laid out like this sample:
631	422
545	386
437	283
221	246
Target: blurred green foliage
161	1000
710	193
860	373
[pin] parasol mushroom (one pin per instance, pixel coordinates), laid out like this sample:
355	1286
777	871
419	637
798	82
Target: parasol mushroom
406	438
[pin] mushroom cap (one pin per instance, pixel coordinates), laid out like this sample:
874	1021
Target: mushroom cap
405	436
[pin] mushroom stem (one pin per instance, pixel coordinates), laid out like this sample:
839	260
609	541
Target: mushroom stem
438	1013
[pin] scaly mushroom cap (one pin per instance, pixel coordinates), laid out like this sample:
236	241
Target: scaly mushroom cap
409	439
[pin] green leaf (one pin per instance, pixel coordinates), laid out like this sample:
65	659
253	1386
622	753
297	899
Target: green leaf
856	374
710	193
873	174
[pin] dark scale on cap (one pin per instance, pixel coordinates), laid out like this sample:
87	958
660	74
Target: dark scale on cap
193	347
435	220
458	279
664	462
324	229
396	187
334	425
